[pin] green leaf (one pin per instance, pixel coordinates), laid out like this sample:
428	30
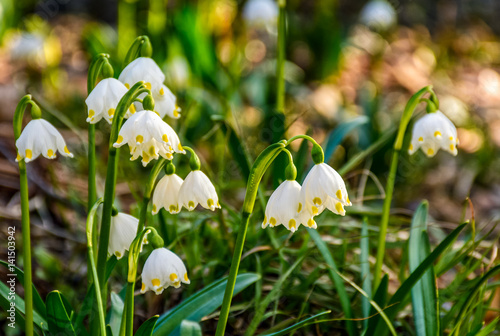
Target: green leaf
57	315
424	293
190	328
114	316
400	295
298	325
345	301
5	303
146	329
381	299
201	304
38	303
365	270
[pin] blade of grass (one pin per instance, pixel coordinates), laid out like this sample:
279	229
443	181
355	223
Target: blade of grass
298	325
365	270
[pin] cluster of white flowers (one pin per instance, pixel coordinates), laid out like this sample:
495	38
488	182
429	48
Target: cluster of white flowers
172	193
293	205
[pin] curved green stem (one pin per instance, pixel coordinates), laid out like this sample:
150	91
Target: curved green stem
109	189
389	188
258	169
90	251
25	213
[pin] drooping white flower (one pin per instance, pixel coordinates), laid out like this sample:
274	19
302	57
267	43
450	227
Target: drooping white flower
261	12
103	100
378	15
148	136
432	132
166	194
122	232
197	189
163	268
143	69
40	137
324	188
284	207
165	103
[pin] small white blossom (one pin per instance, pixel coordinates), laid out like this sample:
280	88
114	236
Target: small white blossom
122	232
40	137
104	99
148	136
163	268
143	69
378	15
165	103
166	194
284	207
324	188
197	189
432	132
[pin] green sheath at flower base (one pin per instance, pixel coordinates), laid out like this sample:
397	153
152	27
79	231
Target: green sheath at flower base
194	161
170	168
148	103
290	170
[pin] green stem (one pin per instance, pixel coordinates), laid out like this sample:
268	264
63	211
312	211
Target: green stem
128	310
258	169
111	173
389	188
25	213
280	67
90	251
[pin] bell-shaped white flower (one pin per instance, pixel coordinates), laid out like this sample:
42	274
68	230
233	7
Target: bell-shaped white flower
284	207
197	189
163	268
323	188
148	136
378	15
165	103
143	69
103	100
122	232
166	194
432	132
40	137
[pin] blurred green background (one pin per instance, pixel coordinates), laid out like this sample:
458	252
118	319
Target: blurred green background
348	64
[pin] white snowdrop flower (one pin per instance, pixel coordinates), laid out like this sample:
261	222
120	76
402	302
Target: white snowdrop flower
143	69
284	207
122	232
166	194
165	103
432	132
197	189
40	137
104	99
163	268
261	12
324	188
378	15
148	136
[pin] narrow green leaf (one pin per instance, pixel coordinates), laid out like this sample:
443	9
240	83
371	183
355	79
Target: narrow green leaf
380	298
424	293
202	303
38	303
345	302
146	329
489	328
114	316
57	315
365	270
298	325
190	328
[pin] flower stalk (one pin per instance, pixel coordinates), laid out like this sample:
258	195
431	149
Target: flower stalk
389	188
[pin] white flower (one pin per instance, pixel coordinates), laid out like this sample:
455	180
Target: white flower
148	136
165	103
324	188
261	12
40	137
197	189
143	69
378	14
432	132
104	99
166	194
284	207
163	268
122	232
